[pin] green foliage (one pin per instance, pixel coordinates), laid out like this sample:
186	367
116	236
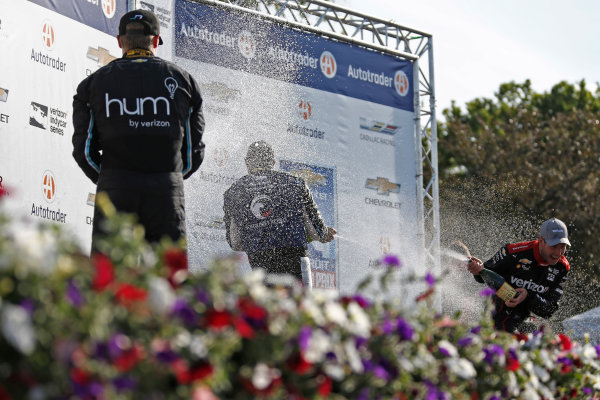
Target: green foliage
134	324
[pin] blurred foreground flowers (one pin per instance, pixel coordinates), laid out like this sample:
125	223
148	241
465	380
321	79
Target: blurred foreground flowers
135	325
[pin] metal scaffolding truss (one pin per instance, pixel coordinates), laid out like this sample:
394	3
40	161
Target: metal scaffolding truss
343	24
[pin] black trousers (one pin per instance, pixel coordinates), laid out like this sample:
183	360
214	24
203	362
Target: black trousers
284	260
157	200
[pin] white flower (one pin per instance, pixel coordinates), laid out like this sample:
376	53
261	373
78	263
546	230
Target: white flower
17	328
360	324
263	376
197	346
161	296
353	356
336	313
318	346
529	394
546	359
541	373
36	247
449	347
461	367
334	371
313	310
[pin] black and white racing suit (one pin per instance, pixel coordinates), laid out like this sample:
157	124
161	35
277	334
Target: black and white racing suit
138	128
522	266
269	215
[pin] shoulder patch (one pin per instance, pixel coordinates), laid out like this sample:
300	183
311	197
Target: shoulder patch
517	247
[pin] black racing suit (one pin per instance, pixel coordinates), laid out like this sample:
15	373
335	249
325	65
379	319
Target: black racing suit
268	215
138	127
522	266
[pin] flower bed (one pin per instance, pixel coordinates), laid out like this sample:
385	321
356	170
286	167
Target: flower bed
134	324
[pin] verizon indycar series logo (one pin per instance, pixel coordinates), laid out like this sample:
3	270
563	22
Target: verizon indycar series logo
49	118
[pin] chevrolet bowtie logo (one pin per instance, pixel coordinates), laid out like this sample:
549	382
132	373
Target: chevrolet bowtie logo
311	178
100	55
382	185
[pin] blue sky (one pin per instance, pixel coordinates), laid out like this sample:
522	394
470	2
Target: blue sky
480	44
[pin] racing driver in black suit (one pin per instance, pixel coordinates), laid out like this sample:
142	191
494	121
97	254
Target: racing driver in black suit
138	128
537	270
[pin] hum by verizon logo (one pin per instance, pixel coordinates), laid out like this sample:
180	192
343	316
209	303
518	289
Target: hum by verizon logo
138	107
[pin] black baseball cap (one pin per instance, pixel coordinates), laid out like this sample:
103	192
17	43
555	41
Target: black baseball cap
147	18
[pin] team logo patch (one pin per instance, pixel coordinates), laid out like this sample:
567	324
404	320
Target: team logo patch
260	207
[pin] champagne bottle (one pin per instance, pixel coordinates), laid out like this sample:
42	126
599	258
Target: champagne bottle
495	281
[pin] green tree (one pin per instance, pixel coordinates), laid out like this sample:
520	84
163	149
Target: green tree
519	158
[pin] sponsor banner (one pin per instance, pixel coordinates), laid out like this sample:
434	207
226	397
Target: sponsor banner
103	15
238	41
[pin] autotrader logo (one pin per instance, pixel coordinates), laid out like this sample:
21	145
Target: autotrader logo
401	83
49	186
109	7
305	110
247	44
48	35
328	64
382	185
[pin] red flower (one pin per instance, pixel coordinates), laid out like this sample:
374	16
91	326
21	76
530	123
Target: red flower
200	371
565	369
521	337
105	272
129	359
182	372
565	341
251	310
513	364
299	365
79	376
128	293
176	260
325	385
217	319
243	328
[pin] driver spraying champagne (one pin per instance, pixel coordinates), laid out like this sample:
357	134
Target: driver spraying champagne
535	270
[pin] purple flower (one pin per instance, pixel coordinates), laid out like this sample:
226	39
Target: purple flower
433	393
429	279
182	310
391	260
387	326
597	350
466	341
404	329
28	305
74	294
303	337
491	352
360	342
586	390
444	352
565	360
476	330
364	394
166	356
202	297
381	373
487	292
116	344
361	301
123	383
494	398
